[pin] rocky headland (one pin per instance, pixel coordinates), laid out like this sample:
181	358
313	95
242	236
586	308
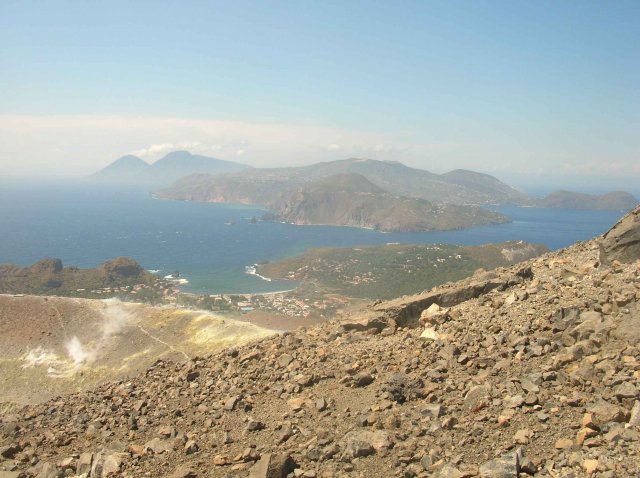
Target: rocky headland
530	370
122	277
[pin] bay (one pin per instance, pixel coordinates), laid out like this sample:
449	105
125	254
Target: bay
212	244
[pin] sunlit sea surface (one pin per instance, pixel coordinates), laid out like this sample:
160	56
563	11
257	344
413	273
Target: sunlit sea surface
211	245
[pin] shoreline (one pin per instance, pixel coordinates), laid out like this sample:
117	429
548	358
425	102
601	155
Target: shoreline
245	294
253	271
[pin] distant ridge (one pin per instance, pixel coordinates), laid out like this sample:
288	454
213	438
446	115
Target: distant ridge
126	168
350	199
131	170
182	163
457	187
613	201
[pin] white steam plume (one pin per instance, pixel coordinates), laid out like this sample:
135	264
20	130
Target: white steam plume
116	317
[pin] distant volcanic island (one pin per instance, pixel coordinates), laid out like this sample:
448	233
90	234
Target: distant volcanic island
349	193
386	196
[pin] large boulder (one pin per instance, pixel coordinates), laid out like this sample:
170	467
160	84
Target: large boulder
622	241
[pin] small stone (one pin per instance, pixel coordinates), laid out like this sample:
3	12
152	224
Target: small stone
564	443
542	416
587	421
477	398
449	423
429	334
272	466
296	403
321	404
522	436
590	466
66	463
433	309
184	471
47	470
515	401
254	426
113	463
84	463
527	466
504	467
230	403
626	390
432	411
167	431
221	460
634	419
605	412
158	445
449	471
191	447
136	450
528	386
585	433
10	474
531	399
284	360
9	451
364	443
362	379
227	438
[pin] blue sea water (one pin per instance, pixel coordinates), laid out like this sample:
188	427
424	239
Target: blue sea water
211	244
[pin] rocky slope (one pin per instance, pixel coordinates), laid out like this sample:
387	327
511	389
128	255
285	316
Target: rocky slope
532	370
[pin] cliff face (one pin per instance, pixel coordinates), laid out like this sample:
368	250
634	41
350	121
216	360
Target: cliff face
531	370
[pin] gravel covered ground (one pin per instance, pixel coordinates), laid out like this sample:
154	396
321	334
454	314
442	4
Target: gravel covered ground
539	376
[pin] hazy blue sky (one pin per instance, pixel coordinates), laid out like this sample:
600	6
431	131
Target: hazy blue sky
518	89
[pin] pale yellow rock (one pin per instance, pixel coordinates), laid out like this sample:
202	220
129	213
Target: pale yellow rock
522	436
432	310
564	443
590	466
429	334
585	433
296	403
505	417
587	420
221	460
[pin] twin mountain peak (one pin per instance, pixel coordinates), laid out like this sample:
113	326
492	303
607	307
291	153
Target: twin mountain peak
382	195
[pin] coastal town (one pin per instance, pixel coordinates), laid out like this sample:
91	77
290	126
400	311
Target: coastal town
286	303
